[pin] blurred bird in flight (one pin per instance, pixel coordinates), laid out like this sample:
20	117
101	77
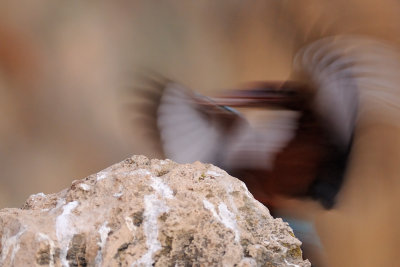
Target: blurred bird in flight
282	138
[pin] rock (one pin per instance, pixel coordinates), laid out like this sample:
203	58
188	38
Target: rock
143	212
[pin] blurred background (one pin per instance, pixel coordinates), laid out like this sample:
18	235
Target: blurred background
66	69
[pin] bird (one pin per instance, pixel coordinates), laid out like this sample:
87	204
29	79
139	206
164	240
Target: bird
281	138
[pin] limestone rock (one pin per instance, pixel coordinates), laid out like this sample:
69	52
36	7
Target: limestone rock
143	212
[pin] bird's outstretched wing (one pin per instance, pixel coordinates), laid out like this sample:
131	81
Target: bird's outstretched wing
357	83
194	127
354	76
330	67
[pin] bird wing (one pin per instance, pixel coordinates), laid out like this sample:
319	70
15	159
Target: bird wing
330	67
194	127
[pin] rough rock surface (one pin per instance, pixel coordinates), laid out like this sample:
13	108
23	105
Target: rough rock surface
143	212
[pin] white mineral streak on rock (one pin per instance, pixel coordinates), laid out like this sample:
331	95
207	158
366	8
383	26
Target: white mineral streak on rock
229	190
120	193
102	175
208	205
154	206
226	217
214	173
65	230
229	220
117	195
10	242
129	224
161	188
103	231
84	187
35	197
41	194
139	171
266	242
291	264
43	237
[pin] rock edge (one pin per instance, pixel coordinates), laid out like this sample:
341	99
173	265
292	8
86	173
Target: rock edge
143	212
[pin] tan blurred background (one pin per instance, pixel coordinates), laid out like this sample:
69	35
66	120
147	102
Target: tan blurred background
65	67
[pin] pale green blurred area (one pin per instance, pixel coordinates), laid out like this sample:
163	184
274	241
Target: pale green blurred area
64	66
